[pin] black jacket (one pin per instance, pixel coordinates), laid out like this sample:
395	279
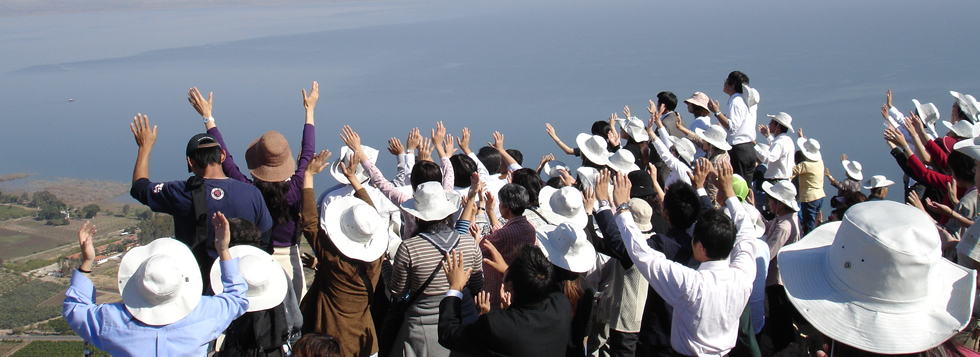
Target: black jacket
540	330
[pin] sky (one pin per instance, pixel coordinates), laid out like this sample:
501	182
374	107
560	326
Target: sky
387	66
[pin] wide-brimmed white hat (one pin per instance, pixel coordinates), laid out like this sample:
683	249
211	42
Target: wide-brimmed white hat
784	119
751	95
594	148
345	154
970	147
877	280
715	135
927	112
810	148
962	128
587	175
563	205
431	202
877	181
685	148
552	167
567	247
782	191
160	282
635	128
265	277
356	228
968	104
853	169
623	160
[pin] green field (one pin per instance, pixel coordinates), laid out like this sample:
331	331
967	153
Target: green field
56	348
8	212
19	306
16	244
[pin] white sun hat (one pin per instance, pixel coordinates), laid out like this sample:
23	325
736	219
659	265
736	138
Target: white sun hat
685	148
356	228
810	148
927	112
431	202
877	280
345	154
751	95
784	119
160	282
877	181
567	247
783	191
635	128
587	175
551	168
594	148
714	135
563	205
265	277
853	169
970	147
962	128
623	160
968	104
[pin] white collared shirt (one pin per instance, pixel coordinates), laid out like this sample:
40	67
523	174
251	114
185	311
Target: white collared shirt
779	157
741	120
709	301
678	170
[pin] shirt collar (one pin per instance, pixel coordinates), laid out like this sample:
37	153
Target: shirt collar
715	265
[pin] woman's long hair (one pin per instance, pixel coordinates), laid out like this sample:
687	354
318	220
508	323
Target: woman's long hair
274	194
570	285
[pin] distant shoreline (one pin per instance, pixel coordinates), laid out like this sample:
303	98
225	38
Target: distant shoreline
58	7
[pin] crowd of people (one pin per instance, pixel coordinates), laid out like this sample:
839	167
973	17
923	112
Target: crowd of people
669	239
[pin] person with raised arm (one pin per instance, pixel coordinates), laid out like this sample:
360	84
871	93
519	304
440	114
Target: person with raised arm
194	201
739	119
276	174
679	156
162	312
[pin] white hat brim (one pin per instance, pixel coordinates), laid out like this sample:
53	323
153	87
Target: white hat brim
180	306
439	213
338	175
813	156
624	168
865	325
376	246
551	167
970	147
579	220
789	126
596	157
857	175
582	262
790	202
273	295
723	145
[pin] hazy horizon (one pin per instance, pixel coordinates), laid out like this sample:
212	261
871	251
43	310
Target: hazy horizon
387	66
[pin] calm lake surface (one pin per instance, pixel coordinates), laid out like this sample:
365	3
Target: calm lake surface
387	66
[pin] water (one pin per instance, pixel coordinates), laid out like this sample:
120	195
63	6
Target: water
387	66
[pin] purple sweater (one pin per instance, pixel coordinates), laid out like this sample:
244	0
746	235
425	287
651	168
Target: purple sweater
286	234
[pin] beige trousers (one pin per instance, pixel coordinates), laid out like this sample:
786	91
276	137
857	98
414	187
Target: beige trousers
288	258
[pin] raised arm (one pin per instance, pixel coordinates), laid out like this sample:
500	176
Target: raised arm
79	308
310	222
715	108
203	108
308	145
145	138
353	141
551	132
498	143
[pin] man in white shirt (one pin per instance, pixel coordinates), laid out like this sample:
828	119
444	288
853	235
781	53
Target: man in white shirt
779	155
739	119
708	302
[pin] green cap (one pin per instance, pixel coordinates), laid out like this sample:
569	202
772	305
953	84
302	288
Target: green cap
740	187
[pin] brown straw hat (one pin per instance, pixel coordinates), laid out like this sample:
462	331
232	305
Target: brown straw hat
269	158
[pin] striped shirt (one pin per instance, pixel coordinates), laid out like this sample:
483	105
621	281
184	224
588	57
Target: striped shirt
417	258
507	239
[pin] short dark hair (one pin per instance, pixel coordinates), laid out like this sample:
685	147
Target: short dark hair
716	233
513	197
204	157
314	344
490	158
961	165
528	178
784	129
668	99
555	182
531	275
516	155
244	232
463	168
682	204
425	171
601	128
736	79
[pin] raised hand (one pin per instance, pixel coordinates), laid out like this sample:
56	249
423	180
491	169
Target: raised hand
222	235
438	135
699	173
884	112
489	201
621	189
496	261
449	146
413	140
318	162
888	98
504	298
938	207
456	274
602	185
713	106
203	107
843	157
351	138
799	133
566	178
892	136
544	160
551	131
464	141
498	141
652	170
613	135
309	101
724	183
482	302
145	137
626	111
764	130
395	147
425	150
589	200
913	200
85	242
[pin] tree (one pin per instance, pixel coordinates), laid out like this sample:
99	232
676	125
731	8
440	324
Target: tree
24	197
145	215
91	211
162	225
42	199
50	212
125	210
